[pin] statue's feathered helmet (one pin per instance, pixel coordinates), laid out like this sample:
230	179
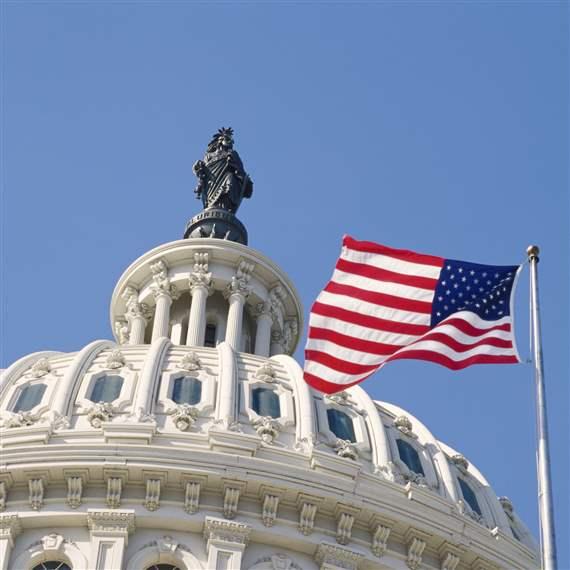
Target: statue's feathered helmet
222	133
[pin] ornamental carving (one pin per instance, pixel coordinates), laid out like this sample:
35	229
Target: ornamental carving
184	416
190	362
152	497
114	490
10	526
111	521
115	360
231	499
99	413
416	547
460	462
192	497
19	419
404	424
340	398
40	368
275	562
161	282
346	449
338	557
269	509
307	518
200	276
3	496
344	527
122	331
74	491
239	284
290	333
227	531
266	373
380	540
134	308
36	493
507	505
267	428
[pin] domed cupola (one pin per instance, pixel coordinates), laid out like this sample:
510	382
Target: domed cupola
210	287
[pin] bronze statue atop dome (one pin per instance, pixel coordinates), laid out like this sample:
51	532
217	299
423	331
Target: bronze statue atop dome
222	180
222	185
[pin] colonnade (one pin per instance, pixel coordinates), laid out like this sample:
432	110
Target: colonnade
271	335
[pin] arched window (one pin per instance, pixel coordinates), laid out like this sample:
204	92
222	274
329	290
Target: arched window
341	424
106	388
410	457
29	397
186	390
163	567
52	565
469	496
265	402
210	337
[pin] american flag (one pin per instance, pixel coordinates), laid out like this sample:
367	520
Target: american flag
385	304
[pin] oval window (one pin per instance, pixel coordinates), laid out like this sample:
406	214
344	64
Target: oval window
52	565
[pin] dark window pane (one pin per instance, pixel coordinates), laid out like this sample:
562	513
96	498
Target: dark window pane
29	397
470	497
187	390
341	424
106	389
515	533
210	338
266	402
163	567
52	565
410	457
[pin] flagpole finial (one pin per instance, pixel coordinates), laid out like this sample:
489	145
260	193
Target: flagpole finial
532	251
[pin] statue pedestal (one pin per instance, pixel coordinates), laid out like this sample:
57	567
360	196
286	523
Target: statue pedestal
216	223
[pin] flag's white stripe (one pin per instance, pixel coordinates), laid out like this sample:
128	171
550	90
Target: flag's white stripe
373	310
358	331
330	375
463	338
347	354
391	263
476	320
440	348
404	291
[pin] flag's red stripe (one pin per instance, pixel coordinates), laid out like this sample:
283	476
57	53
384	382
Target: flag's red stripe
382	299
352	342
378	274
467	328
402	254
338	364
368	321
453	364
460	347
325	386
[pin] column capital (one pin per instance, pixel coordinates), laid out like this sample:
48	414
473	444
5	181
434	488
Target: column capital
200	276
134	308
221	530
10	527
110	523
162	285
332	556
239	284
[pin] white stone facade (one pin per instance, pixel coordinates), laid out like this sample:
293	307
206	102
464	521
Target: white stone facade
207	450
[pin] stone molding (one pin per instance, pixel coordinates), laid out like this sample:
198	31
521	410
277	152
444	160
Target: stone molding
111	522
332	556
221	530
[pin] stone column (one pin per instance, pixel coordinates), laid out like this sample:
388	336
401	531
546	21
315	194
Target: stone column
109	536
263	334
10	527
276	343
164	293
137	315
225	543
200	282
237	291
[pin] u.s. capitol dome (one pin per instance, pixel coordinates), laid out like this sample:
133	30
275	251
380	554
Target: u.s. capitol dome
191	440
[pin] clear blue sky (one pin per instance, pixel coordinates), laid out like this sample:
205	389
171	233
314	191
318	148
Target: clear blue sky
439	127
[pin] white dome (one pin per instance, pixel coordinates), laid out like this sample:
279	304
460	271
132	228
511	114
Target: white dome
168	442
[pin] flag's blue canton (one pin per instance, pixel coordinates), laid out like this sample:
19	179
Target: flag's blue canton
481	289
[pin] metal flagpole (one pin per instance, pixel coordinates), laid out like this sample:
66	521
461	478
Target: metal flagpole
545	510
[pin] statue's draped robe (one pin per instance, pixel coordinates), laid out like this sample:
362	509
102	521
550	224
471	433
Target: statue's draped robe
227	182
